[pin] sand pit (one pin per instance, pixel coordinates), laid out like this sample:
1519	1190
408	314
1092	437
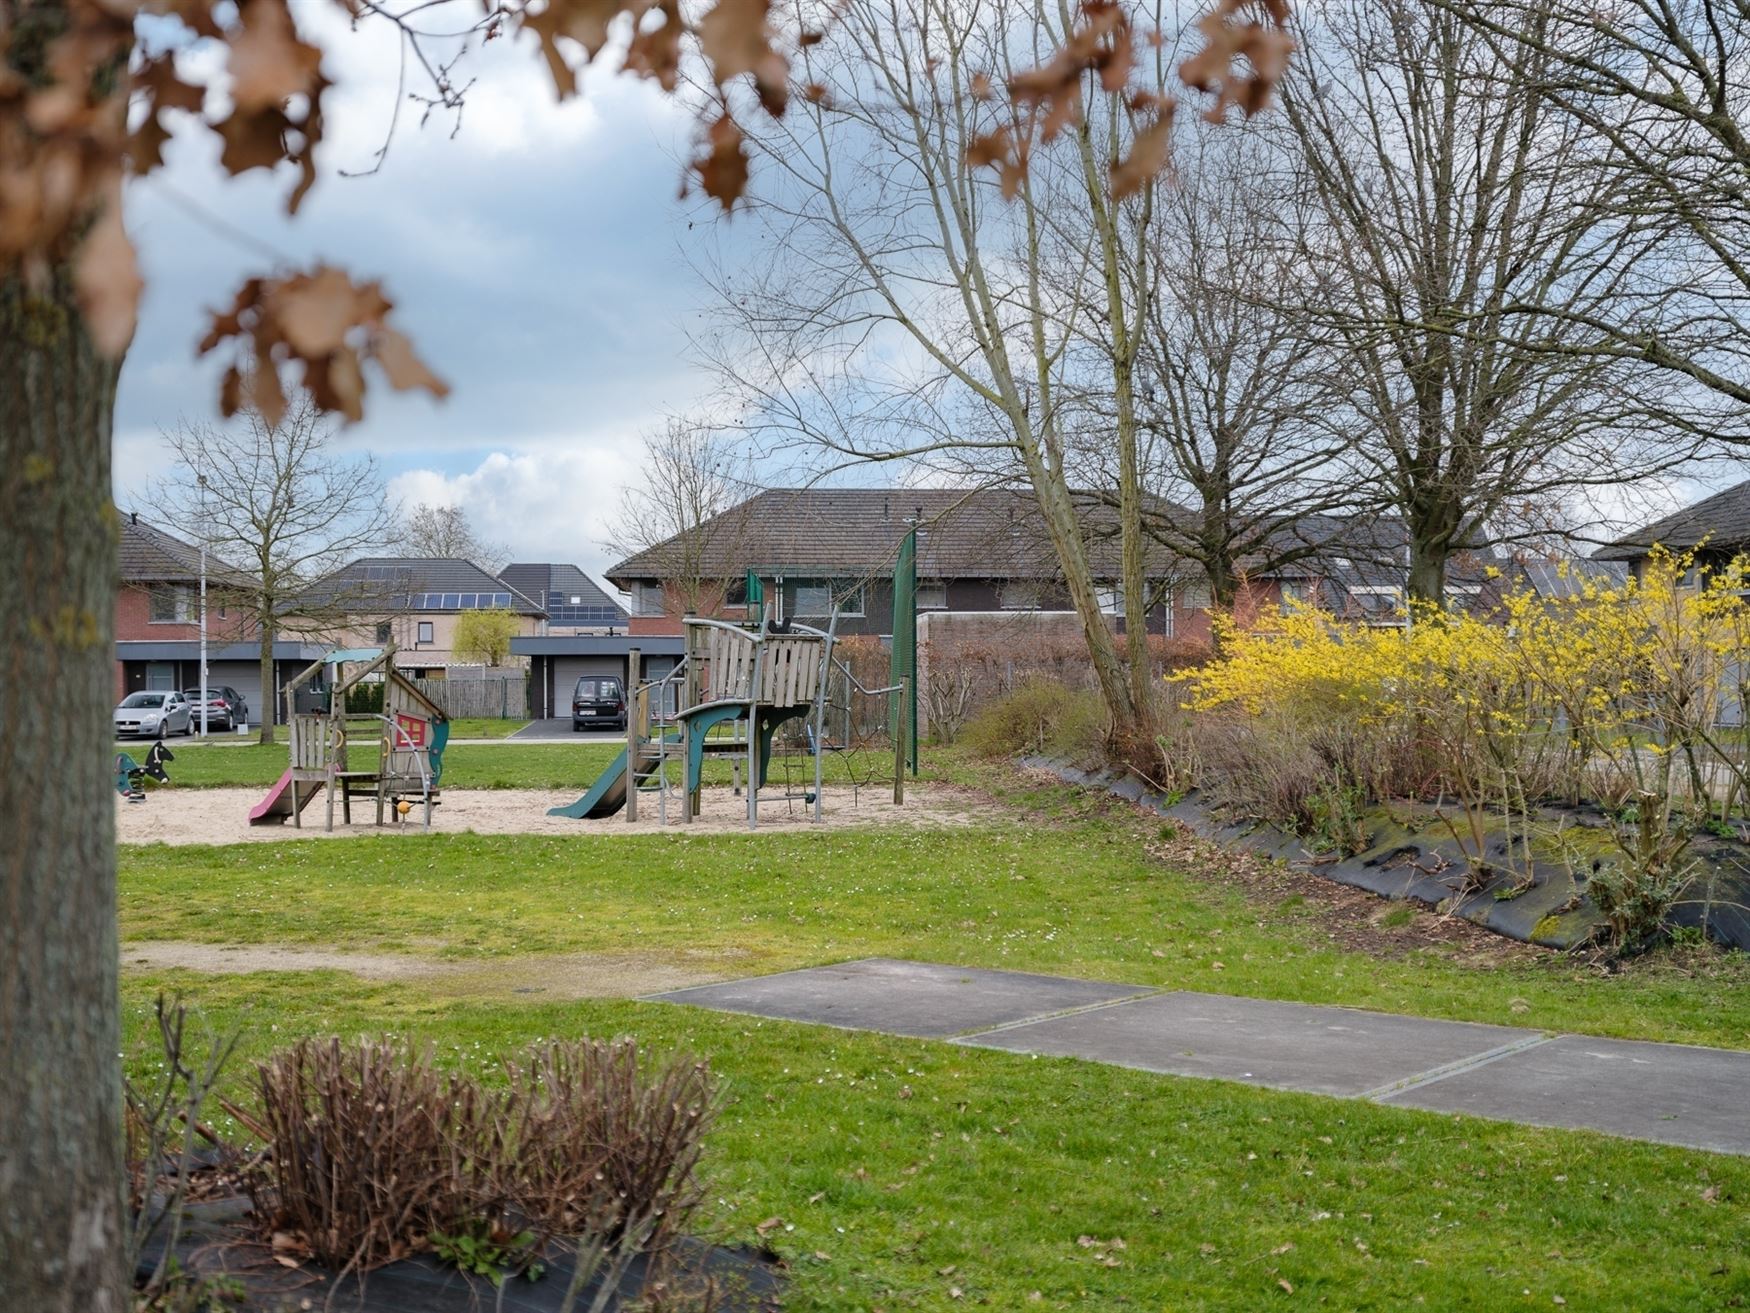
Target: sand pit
183	816
562	976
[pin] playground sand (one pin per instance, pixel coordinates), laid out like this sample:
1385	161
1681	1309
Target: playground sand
182	816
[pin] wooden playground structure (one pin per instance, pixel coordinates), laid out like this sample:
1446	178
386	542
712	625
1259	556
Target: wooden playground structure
736	685
394	756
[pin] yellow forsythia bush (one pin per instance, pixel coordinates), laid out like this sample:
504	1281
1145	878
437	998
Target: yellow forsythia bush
1615	695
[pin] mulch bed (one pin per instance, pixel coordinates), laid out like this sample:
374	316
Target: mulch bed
218	1238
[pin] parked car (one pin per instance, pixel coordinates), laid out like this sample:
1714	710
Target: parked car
225	707
154	715
598	702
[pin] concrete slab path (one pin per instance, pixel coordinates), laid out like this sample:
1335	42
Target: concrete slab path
1665	1093
919	999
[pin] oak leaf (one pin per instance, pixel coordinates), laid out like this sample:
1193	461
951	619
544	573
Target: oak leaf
722	169
106	276
1148	155
269	63
736	37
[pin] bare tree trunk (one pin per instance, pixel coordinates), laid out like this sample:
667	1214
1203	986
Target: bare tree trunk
1066	538
61	1205
270	694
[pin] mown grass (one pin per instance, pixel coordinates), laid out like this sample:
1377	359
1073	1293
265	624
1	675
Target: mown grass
1066	888
900	1174
486	727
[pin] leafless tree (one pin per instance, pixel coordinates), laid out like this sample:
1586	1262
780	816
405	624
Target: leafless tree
1238	384
285	503
1658	87
1455	196
923	308
443	533
686	519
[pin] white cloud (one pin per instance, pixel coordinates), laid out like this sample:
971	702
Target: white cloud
555	504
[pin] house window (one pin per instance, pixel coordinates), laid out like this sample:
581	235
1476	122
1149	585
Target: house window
425	632
648	600
1111	597
171	604
932	595
816	598
385	631
1019	595
1381	605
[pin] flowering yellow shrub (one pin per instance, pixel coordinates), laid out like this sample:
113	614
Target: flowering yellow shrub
1613	694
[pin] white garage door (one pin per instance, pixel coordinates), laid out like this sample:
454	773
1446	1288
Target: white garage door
245	677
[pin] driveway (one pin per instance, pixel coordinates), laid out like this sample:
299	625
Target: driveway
559	729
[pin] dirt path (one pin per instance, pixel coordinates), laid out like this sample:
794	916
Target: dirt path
182	816
560	976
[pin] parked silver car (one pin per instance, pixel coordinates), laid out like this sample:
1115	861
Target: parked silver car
225	707
154	715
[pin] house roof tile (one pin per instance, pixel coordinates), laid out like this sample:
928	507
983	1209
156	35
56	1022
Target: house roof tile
1722	521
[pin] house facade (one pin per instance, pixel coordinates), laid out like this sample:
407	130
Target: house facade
157	620
817	549
416	603
1715	529
986	552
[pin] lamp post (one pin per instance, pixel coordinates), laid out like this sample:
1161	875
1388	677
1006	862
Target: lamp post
201	481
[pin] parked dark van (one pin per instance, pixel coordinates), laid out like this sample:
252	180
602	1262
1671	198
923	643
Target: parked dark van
598	702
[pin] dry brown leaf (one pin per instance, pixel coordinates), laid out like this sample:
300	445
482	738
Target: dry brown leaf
269	63
736	37
316	310
722	168
1228	37
583	21
106	276
655	53
323	320
404	369
1148	156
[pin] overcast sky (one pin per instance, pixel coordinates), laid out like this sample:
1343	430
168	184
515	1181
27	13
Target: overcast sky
538	258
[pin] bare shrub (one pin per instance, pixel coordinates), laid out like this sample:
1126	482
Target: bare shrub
1039	715
373	1149
162	1120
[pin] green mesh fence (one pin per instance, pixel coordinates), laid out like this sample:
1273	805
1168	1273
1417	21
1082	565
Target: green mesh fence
903	659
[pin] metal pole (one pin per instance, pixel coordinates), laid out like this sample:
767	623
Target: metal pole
201	481
635	711
899	747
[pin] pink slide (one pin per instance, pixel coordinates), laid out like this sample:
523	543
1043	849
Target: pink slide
283	800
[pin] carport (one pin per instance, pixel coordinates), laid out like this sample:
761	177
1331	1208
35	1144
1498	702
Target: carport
557	662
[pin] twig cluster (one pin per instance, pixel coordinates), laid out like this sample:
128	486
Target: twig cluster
373	1148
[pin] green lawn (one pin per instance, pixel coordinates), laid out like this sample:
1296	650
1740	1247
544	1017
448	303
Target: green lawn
904	1171
485	727
914	1175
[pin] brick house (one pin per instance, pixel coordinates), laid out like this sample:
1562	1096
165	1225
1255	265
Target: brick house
157	620
985	552
415	603
981	550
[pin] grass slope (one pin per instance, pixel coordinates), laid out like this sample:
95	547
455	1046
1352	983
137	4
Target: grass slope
905	1174
912	1175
